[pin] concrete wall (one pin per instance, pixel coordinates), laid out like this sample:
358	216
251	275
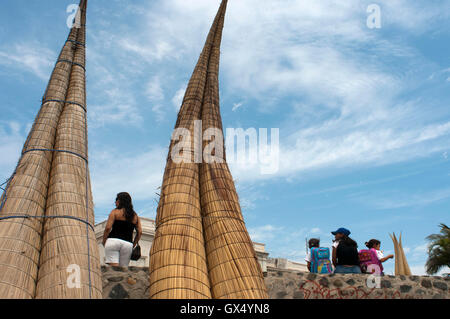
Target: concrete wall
132	282
274	264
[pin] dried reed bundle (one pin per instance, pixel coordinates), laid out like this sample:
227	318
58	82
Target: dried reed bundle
26	192
178	262
406	269
401	264
178	267
69	241
232	263
199	203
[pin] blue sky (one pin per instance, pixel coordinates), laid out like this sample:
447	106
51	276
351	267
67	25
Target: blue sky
363	113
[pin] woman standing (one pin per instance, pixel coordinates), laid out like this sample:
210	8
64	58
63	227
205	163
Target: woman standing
118	235
345	253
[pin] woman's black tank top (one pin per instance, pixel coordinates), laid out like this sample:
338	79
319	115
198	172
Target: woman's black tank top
347	255
122	229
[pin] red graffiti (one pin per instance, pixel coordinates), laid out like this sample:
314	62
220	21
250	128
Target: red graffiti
313	290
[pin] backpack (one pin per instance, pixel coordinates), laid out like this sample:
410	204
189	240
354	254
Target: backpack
320	260
369	257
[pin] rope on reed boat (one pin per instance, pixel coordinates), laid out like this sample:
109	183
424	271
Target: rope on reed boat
5	182
88	224
179	288
76	42
60	151
73	63
50	216
67	102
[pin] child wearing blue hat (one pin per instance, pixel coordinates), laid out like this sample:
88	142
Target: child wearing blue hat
345	253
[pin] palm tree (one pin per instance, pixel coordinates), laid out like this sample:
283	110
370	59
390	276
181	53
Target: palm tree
438	250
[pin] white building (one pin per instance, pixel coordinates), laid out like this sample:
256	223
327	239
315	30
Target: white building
148	234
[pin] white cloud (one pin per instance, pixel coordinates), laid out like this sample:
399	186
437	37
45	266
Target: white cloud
395	200
421	249
30	58
154	90
420	270
140	174
322	64
118	107
413	17
12	137
158	51
264	233
321	53
178	97
340	144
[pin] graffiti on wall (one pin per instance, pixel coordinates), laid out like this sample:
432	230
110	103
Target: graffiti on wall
314	290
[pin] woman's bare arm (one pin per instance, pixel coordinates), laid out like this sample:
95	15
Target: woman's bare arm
108	226
138	232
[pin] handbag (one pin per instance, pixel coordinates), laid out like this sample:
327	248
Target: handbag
136	253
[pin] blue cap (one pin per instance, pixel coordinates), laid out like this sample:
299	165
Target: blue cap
341	230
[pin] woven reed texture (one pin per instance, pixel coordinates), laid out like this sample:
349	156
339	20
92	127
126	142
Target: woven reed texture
178	262
397	255
20	238
178	267
232	263
65	241
198	203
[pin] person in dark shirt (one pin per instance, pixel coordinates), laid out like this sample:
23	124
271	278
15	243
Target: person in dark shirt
118	235
345	253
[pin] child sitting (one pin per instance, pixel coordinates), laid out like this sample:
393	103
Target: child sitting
373	256
318	259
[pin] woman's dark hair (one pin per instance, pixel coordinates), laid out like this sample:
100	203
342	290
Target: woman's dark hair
125	203
372	243
314	242
347	241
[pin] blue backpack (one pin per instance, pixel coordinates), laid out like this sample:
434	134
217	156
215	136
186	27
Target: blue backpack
320	260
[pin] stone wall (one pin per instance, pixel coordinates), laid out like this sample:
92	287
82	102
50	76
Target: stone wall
300	285
132	282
